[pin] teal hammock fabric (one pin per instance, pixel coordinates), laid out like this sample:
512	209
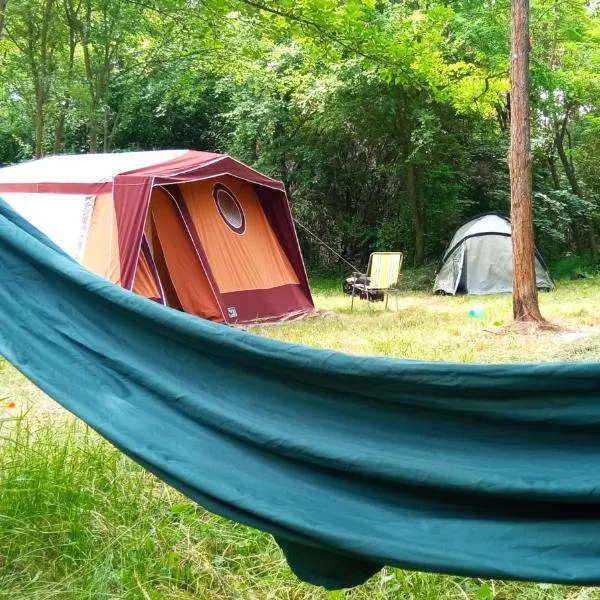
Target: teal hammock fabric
350	462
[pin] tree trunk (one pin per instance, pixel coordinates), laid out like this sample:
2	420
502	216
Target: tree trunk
503	114
567	166
105	132
577	227
525	300
415	199
553	172
593	239
419	217
113	131
93	134
66	103
3	4
413	179
588	227
39	125
42	82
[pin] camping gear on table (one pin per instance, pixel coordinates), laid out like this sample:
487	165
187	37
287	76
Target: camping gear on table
381	279
197	231
478	259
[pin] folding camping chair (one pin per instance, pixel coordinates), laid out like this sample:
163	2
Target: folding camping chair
383	273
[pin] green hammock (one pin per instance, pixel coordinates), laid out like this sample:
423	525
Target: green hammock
350	462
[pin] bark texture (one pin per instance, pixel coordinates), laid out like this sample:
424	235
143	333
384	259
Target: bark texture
3	4
525	300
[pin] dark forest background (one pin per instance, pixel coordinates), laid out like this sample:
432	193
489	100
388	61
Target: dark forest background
387	120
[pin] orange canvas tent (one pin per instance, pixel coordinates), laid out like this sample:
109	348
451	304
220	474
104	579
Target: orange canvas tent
196	231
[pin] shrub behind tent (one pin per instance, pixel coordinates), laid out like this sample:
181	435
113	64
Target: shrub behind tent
478	259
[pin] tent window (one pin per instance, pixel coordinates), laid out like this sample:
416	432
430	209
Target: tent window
229	208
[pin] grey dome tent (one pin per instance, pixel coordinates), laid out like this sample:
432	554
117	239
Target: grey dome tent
478	259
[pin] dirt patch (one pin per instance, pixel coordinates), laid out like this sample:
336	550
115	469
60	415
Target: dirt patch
583	349
533	328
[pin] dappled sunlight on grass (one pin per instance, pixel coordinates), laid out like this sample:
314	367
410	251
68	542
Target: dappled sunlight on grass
79	520
439	328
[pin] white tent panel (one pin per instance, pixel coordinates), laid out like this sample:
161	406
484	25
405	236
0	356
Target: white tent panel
488	264
64	218
484	224
449	276
84	168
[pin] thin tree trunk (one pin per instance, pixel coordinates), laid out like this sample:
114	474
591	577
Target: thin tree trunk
553	172
39	125
3	4
113	131
60	129
93	134
593	238
525	300
84	31
577	227
503	115
66	103
419	217
414	197
105	132
567	166
588	227
411	172
42	84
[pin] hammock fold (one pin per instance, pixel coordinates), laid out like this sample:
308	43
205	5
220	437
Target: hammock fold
350	462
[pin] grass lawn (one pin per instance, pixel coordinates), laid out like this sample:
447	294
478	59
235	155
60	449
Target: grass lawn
79	520
428	327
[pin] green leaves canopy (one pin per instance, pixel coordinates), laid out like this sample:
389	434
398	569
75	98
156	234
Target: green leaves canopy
387	120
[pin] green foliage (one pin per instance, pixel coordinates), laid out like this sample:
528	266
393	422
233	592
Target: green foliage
387	121
572	266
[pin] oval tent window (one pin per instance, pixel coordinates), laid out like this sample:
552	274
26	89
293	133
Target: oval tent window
229	208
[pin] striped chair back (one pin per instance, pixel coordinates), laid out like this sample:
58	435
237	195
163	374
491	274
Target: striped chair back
384	269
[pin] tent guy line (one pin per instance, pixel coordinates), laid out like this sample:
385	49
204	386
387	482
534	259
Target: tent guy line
316	237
